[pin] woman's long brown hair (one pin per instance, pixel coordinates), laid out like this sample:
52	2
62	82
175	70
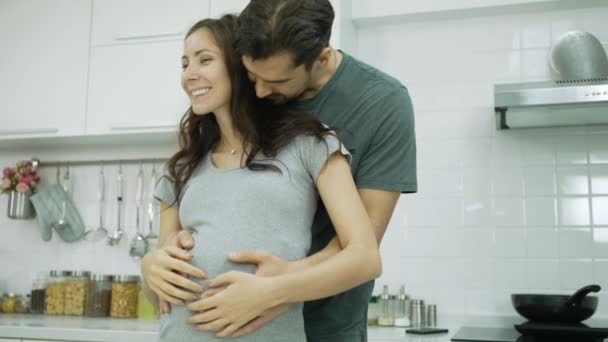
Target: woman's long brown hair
265	127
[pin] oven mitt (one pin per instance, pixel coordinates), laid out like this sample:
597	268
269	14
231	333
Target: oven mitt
48	203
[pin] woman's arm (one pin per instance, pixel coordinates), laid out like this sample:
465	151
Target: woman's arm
166	268
246	296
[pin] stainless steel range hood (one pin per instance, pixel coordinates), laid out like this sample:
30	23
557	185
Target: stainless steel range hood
551	103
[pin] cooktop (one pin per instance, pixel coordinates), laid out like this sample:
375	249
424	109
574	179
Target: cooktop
534	332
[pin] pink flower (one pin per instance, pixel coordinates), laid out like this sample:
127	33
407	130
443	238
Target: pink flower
22	187
7	171
6	183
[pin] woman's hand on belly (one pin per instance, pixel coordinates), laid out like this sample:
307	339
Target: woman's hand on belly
166	271
243	297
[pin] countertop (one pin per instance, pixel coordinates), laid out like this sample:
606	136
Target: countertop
86	329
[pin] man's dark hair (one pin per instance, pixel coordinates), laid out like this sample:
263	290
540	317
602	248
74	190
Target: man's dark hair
302	27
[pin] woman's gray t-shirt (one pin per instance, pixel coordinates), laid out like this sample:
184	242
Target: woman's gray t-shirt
238	209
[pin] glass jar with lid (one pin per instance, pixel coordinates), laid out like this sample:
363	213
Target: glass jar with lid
125	289
76	288
386	316
38	294
99	295
9	301
22	304
55	292
372	311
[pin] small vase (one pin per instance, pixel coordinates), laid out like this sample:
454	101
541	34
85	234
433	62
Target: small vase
19	205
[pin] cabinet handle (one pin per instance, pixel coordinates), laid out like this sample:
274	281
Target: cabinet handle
29	131
149	36
130	128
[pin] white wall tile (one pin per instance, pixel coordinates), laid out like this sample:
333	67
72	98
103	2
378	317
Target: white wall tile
539	181
477	182
538	151
575	244
508	212
536	35
542	243
572	180
510	243
600	210
540	212
476	243
571	150
542	274
598	153
600	243
506	151
575	274
574	211
477	153
508	182
599	179
600	273
477	211
510	274
535	65
477	274
440	182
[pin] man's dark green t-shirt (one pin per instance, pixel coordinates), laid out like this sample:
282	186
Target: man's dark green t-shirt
373	116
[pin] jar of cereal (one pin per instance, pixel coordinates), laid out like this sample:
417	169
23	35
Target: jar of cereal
125	289
55	292
76	288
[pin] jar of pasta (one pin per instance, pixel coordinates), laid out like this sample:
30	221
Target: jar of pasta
125	289
55	292
99	296
76	288
9	301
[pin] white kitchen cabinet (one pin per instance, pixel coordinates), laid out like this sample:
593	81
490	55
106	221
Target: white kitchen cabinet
220	7
135	88
139	21
343	33
43	63
9	340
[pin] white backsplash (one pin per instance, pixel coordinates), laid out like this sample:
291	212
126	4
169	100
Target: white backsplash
496	212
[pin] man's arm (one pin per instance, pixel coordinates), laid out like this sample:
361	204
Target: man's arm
379	205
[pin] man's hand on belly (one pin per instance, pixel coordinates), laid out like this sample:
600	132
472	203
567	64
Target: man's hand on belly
243	297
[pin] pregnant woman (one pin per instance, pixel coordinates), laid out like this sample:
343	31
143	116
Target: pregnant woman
248	175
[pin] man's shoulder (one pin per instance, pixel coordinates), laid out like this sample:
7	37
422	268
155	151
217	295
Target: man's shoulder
371	78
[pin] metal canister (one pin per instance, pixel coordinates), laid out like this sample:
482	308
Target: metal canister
418	313
431	315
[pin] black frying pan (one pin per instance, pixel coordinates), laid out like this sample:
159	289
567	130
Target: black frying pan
557	308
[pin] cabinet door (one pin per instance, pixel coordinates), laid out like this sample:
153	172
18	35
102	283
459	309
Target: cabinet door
134	88
343	33
9	340
220	7
43	63
125	22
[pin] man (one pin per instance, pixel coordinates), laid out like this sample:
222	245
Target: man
285	47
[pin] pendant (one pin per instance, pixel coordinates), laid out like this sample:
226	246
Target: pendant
232	151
